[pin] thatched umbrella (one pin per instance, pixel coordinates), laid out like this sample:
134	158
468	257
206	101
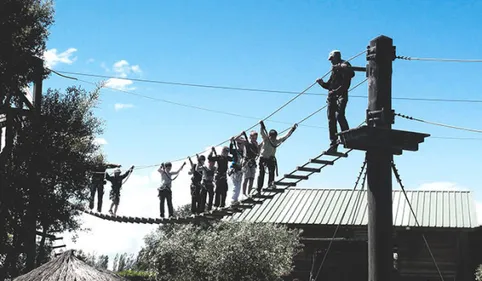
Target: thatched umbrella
67	267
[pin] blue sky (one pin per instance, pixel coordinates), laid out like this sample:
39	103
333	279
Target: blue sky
279	45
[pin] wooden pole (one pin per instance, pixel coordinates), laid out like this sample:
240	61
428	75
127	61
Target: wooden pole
31	217
380	56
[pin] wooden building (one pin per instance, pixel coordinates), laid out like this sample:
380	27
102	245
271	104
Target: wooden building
447	220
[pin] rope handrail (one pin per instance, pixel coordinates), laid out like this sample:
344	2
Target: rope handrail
438	59
439	124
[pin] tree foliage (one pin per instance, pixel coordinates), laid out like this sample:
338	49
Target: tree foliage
24	25
223	251
65	152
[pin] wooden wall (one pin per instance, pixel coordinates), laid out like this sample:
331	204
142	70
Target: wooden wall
347	260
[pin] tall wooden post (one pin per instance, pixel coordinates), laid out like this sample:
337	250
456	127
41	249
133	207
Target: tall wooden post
31	221
380	55
380	142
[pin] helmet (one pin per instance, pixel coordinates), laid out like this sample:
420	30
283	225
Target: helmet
333	54
202	157
117	171
273	133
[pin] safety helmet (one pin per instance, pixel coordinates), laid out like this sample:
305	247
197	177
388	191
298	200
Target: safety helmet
225	149
117	171
168	164
273	133
333	54
202	158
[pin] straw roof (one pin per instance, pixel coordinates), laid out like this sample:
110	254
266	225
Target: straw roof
67	267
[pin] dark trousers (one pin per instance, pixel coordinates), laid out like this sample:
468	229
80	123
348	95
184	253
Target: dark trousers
221	191
336	112
271	164
99	188
196	198
208	189
166	195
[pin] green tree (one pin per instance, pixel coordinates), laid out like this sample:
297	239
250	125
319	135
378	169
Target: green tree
103	262
223	251
66	154
24	25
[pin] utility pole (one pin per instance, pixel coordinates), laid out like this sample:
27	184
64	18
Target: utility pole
31	217
380	143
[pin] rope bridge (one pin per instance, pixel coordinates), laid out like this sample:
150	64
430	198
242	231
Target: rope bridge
317	164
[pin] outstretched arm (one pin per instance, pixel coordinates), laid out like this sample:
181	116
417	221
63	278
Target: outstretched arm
287	135
128	172
264	136
177	172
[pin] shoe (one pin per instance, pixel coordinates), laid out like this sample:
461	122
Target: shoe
332	149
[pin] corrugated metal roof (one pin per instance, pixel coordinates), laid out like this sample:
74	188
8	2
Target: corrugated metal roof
440	209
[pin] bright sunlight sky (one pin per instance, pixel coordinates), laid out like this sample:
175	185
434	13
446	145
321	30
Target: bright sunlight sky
277	45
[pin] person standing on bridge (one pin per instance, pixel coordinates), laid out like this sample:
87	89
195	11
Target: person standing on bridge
251	150
221	177
165	193
267	155
196	185
117	183
98	181
235	171
337	86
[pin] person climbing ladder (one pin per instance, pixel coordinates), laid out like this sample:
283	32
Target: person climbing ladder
165	193
268	154
116	185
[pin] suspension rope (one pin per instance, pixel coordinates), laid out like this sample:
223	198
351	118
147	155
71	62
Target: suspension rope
277	110
301	121
358	199
438	59
439	124
250	89
341	219
177	103
399	180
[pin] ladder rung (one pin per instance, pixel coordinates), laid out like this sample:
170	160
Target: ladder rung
244	206
308	169
263	196
324	162
285	183
337	154
275	190
298	177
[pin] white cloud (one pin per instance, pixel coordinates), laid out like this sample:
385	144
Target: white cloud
119	84
100	141
122	69
138	199
119	106
52	58
91	60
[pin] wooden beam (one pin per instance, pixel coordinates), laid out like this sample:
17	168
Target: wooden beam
359	68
